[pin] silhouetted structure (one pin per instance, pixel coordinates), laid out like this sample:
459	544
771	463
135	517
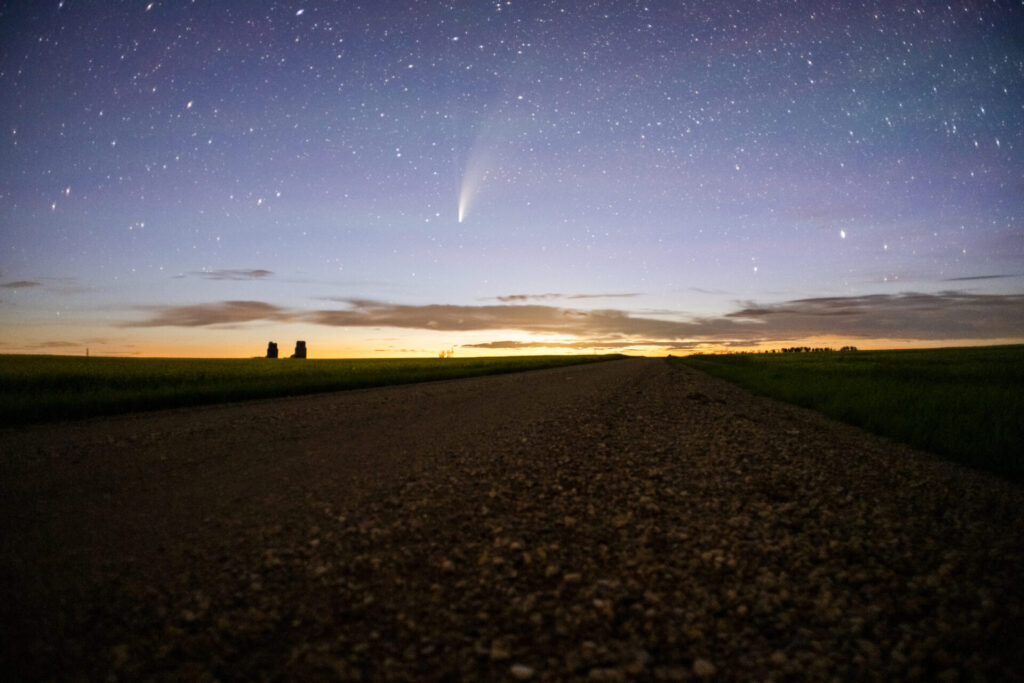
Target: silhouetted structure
272	350
300	350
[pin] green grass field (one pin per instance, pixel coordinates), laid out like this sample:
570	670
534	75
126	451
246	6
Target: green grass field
965	404
47	388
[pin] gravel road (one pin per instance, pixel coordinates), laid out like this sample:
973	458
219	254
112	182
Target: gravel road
628	520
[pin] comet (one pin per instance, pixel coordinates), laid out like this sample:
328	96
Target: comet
471	181
482	163
472	178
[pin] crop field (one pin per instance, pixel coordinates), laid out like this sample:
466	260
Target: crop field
964	404
46	388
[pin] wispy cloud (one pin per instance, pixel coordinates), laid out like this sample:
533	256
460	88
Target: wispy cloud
222	313
716	292
603	344
531	317
514	345
515	298
945	315
40	347
979	277
20	284
625	295
950	314
234	274
54	345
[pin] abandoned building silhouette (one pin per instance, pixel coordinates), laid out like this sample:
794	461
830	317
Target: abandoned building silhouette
300	350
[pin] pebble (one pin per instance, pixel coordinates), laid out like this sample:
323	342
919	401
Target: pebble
704	668
500	649
521	672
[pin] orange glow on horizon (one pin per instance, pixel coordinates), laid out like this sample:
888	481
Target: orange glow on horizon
423	349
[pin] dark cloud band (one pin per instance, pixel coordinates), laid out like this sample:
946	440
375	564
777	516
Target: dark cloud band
234	274
943	315
222	313
516	298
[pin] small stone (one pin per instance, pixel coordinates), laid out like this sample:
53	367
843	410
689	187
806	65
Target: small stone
703	668
521	672
500	649
641	659
869	649
120	655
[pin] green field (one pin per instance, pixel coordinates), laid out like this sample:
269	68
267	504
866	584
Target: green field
965	404
46	388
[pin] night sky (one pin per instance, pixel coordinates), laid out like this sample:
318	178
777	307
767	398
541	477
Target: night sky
388	178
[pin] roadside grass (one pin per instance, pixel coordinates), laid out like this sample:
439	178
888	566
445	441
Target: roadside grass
964	404
48	388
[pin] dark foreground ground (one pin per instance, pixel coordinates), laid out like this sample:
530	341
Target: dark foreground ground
619	521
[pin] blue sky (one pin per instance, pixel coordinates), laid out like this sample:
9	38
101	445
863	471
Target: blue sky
194	178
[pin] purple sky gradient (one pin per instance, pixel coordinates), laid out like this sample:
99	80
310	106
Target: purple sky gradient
194	178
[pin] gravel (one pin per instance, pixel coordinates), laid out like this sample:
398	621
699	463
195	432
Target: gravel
618	521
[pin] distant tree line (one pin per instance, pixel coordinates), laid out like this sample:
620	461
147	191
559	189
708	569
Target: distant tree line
808	349
791	349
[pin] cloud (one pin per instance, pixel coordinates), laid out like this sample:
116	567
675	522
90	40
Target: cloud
510	298
513	298
911	315
223	313
41	346
369	313
21	284
603	296
512	345
54	345
945	315
606	344
234	274
979	277
532	318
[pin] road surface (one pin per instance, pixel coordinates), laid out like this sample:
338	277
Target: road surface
617	521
